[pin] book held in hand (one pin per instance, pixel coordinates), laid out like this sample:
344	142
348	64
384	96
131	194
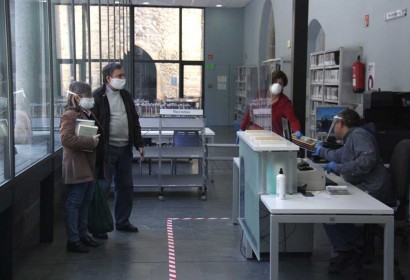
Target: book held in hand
305	142
85	128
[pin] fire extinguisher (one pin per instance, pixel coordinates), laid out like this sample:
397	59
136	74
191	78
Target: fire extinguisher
358	76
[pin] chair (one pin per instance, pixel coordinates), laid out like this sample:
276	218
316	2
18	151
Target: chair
184	138
399	171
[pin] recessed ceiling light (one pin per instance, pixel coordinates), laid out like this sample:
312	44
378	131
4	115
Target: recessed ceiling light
145	3
219	5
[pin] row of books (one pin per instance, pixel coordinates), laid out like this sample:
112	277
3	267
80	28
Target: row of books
327	59
332	76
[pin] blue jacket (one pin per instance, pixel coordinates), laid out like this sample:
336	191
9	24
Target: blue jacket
360	164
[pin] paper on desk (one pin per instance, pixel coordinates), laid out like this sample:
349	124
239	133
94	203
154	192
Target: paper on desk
337	190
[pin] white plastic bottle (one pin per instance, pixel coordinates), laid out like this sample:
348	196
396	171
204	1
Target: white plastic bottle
281	185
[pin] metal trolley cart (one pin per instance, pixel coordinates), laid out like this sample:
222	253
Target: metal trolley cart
185	123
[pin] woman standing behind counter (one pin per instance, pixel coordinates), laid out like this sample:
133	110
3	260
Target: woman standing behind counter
281	106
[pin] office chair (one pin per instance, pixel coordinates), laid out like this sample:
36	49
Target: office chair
399	167
184	138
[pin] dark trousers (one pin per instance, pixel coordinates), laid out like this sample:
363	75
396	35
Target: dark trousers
118	167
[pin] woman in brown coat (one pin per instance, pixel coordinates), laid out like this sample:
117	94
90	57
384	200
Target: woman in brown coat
78	166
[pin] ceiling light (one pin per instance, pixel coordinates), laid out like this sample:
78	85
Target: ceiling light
219	5
145	3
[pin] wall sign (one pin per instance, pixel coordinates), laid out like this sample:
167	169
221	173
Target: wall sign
370	75
395	14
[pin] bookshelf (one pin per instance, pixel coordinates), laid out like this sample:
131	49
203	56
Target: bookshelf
330	82
246	86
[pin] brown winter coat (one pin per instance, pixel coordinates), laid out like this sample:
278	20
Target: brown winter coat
78	165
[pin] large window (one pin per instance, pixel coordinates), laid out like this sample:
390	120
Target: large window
63	54
31	84
169	49
41	56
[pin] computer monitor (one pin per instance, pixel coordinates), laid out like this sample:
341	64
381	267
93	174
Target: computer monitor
286	130
324	118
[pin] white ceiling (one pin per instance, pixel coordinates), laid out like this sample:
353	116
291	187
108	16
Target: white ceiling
195	3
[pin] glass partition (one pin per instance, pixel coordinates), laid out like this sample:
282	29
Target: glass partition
31	84
4	100
63	55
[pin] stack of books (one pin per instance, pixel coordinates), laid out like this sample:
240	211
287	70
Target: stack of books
85	128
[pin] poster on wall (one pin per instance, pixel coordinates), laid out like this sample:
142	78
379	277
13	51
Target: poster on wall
222	81
370	74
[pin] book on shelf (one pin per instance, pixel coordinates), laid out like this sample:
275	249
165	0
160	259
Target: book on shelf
305	142
85	128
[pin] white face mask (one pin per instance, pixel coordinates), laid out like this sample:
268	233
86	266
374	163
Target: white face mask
118	83
87	103
275	89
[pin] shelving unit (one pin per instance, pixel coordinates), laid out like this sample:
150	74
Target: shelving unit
175	119
330	82
246	87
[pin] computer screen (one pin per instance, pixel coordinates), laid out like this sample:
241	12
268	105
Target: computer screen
324	117
286	130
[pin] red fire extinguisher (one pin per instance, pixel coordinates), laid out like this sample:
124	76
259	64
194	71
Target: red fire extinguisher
358	76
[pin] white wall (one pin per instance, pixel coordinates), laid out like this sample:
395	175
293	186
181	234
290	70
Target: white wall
387	43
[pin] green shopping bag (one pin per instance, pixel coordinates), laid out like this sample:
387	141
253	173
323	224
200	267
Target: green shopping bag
99	213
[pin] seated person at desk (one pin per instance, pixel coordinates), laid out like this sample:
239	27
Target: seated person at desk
281	106
360	164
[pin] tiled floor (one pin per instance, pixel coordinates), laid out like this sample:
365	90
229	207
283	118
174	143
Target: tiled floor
205	249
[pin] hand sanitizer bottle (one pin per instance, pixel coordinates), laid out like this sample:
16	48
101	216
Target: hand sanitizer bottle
281	184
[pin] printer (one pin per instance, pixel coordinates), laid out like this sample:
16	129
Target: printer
389	113
314	179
